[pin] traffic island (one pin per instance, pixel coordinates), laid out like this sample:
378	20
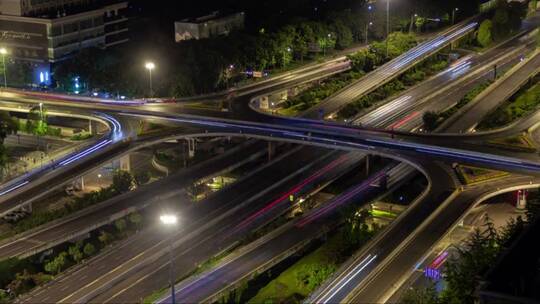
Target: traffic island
470	175
520	143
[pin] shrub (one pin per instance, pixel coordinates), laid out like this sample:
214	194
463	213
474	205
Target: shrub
57	264
89	249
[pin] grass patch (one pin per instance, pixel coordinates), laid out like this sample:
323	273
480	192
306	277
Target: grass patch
520	142
156	295
295	283
313	96
299	280
81	136
472	175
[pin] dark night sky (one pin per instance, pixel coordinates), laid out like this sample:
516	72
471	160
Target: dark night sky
258	11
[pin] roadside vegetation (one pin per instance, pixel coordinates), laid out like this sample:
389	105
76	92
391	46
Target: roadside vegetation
274	39
521	142
524	103
463	272
122	182
303	277
413	76
432	120
19	276
362	62
500	24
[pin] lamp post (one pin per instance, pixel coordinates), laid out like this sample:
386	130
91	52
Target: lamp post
3	52
367	31
413	21
369	23
150	66
387	24
454	15
41	111
170	220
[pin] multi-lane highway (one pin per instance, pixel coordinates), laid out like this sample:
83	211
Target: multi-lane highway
389	71
293	130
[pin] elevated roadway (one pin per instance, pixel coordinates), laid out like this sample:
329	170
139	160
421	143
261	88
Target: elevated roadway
390	70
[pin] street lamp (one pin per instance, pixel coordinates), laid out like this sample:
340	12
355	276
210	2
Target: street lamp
41	111
150	66
454	14
170	220
3	52
367	31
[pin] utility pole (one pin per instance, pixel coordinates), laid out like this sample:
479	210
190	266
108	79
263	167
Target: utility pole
387	24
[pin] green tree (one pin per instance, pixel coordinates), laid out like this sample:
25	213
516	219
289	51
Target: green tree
57	264
105	238
484	33
304	36
464	272
120	225
136	218
122	181
430	120
500	21
4	297
421	295
89	249
344	35
22	283
141	178
8	126
75	253
37	121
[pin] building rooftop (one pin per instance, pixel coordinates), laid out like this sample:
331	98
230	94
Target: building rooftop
68	10
212	16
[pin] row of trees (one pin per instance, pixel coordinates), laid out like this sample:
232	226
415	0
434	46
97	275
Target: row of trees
32	272
81	250
463	273
123	182
8	126
505	20
413	76
203	66
362	62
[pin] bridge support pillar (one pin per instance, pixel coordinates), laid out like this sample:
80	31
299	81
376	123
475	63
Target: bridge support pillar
521	203
92	127
125	163
191	147
81	183
271	150
368	159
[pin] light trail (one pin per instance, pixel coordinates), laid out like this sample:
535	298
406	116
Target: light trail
85	152
13	188
327	296
287	194
339	200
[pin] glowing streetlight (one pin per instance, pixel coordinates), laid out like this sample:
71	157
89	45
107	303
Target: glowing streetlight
170	220
454	14
3	52
367	31
150	66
